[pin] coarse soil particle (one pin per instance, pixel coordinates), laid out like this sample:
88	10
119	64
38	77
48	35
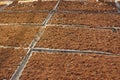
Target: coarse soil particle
93	20
88	6
9	60
17	36
80	39
40	5
22	17
53	66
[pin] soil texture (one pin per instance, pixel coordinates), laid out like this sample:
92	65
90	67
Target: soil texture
81	39
54	66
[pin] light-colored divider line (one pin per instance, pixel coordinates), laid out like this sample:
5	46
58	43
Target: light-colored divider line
2	8
73	51
85	26
88	12
19	70
27	11
13	47
52	12
24	24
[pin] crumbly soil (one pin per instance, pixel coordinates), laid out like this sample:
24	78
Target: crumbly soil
9	60
18	36
81	39
54	66
88	6
93	20
22	17
40	5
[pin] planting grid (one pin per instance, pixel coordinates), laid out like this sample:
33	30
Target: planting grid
61	41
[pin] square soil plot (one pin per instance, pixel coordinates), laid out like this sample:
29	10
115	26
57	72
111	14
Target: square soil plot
81	39
9	61
54	66
40	5
87	6
17	36
22	17
93	20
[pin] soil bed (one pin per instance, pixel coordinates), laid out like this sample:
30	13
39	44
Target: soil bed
22	17
60	66
81	39
88	6
18	36
40	5
9	60
93	20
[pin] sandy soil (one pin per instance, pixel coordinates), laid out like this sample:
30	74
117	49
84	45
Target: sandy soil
45	5
81	39
22	17
9	60
93	20
17	35
55	66
87	6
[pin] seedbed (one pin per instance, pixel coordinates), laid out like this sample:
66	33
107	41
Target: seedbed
9	60
61	66
88	6
80	39
22	17
18	36
93	20
39	5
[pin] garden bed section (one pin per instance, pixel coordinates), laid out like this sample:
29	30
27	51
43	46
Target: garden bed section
88	6
18	36
63	66
93	20
37	5
9	61
22	17
56	37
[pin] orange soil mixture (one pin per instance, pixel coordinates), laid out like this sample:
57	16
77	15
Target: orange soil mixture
81	39
17	35
40	5
9	60
93	20
55	66
87	6
22	17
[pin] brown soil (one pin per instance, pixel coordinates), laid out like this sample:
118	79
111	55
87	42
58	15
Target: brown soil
55	66
17	35
87	6
40	5
22	17
1	6
9	60
93	20
81	38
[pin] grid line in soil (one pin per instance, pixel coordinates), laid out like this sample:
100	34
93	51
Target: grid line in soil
13	47
83	26
32	48
20	68
87	12
73	51
27	11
